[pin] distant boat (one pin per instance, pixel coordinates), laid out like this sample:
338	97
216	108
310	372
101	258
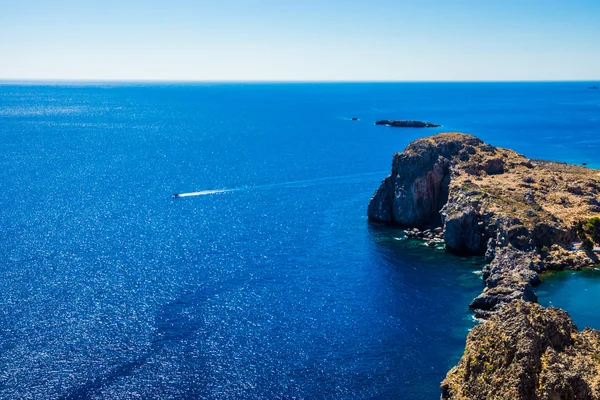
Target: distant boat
593	87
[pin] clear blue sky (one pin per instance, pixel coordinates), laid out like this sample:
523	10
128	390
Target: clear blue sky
372	40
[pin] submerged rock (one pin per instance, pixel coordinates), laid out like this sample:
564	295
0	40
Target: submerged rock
527	352
403	123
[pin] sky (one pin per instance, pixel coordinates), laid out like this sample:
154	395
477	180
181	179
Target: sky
300	40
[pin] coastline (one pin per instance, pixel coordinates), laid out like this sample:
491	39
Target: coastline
386	313
523	214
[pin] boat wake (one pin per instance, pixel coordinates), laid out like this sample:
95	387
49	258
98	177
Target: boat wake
201	193
296	184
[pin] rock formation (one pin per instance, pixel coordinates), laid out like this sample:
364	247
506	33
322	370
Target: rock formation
402	123
495	202
524	216
527	352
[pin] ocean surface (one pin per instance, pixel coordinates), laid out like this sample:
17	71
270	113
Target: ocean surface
575	291
272	283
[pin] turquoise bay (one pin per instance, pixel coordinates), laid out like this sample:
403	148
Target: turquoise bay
575	291
275	285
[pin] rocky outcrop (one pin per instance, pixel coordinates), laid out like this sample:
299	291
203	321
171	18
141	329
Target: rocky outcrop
527	352
403	123
523	215
465	227
510	276
417	189
520	213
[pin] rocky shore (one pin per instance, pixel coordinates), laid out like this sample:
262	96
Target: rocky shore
524	215
431	236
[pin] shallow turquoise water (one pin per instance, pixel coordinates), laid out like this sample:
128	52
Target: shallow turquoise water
112	289
577	292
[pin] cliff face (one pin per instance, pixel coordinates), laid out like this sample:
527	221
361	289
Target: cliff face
418	187
527	352
521	213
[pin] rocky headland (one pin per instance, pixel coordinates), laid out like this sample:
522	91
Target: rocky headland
403	123
524	215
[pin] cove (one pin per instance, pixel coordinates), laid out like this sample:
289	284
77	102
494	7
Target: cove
576	292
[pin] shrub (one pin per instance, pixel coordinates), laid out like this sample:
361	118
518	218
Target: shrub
592	222
587	244
593	228
579	228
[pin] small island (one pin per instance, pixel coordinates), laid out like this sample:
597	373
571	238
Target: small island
403	123
527	217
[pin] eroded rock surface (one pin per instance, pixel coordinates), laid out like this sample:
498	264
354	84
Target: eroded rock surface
527	352
417	189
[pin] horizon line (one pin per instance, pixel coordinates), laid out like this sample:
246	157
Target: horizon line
276	81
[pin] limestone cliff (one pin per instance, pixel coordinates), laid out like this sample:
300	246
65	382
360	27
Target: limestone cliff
527	352
521	213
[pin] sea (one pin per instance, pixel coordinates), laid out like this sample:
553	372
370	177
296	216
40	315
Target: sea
268	282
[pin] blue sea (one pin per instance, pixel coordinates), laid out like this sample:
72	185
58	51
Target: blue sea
273	287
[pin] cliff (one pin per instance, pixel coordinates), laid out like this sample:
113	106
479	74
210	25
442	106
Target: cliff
522	214
527	352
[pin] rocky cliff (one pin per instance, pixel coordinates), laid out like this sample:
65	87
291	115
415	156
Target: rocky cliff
527	352
524	216
521	213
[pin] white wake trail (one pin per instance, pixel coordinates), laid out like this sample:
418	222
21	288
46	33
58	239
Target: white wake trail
300	183
201	193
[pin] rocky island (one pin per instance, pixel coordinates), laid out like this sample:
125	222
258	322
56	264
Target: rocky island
524	215
402	123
